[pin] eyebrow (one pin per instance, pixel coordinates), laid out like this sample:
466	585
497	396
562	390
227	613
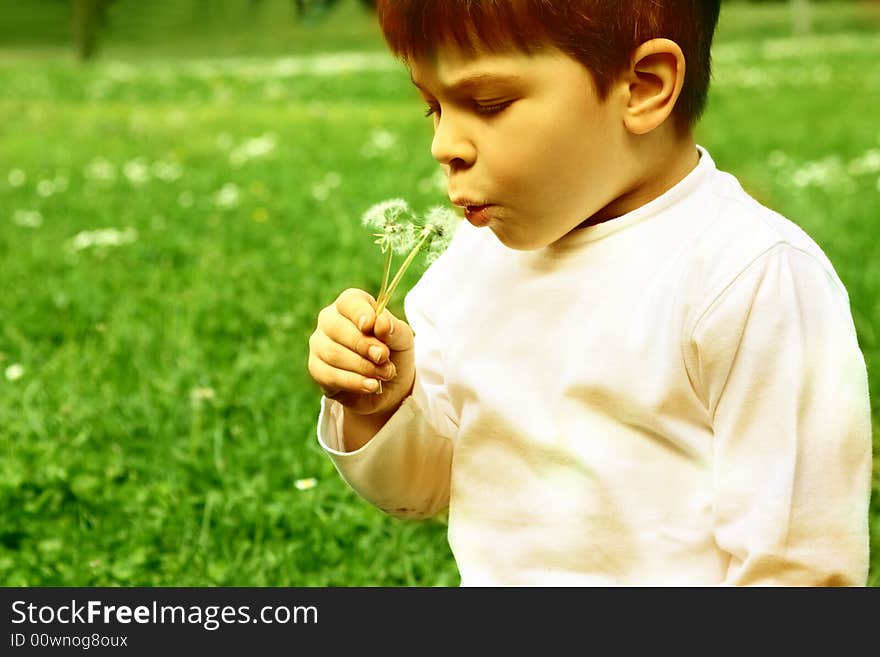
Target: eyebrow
474	80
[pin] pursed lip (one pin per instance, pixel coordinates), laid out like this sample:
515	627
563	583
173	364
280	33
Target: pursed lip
469	203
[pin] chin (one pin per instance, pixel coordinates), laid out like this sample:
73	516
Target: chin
520	242
514	242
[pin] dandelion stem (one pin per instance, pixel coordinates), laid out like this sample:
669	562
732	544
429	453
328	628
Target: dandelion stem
385	298
386	273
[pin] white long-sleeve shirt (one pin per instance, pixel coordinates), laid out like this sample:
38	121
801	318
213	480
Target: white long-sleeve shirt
672	397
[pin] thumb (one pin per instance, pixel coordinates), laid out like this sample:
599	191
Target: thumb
394	332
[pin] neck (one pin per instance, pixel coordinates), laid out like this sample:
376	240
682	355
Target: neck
656	168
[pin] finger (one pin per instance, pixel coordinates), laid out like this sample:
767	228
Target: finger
340	330
358	307
333	380
339	357
394	332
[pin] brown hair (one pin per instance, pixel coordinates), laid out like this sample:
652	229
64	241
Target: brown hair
601	34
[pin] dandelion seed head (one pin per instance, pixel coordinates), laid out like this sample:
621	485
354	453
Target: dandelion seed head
439	227
394	233
401	238
442	223
387	213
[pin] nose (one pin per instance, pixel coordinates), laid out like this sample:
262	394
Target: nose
451	146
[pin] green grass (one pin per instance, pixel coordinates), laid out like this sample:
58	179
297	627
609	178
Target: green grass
164	412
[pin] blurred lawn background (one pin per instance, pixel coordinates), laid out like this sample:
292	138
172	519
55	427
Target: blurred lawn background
175	211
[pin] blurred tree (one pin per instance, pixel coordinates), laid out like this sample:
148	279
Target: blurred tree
317	8
311	9
88	17
800	14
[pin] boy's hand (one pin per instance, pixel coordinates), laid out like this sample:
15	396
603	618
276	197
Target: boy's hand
351	351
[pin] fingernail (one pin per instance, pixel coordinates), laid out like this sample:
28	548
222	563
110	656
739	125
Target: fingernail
371	385
376	354
391	330
362	322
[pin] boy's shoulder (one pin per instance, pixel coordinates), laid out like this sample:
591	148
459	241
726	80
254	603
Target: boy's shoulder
740	232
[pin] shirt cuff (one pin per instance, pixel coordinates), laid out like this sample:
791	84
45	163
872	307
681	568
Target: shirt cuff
330	435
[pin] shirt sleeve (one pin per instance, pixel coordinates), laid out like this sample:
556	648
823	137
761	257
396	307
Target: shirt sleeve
780	371
405	469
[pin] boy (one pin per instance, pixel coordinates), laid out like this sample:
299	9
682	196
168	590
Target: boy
624	370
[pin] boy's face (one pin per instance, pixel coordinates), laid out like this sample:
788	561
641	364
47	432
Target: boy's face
528	135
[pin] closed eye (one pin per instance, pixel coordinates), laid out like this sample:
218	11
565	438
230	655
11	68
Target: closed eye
492	109
481	109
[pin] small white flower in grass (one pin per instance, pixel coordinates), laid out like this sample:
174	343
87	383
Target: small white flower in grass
273	90
167	171
380	142
778	159
16	178
186	199
436	182
224	141
228	196
45	188
136	171
321	190
820	173
869	162
14	372
101	170
305	484
253	149
822	74
176	118
201	394
28	218
103	238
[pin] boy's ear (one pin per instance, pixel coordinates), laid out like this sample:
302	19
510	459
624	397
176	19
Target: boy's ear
653	84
